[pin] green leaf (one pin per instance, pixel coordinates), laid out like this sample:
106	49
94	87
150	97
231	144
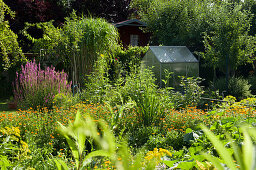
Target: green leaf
186	165
216	162
223	152
237	153
189	130
170	163
65	132
248	152
61	165
4	162
93	154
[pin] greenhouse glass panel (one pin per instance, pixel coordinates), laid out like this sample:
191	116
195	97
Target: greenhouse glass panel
176	59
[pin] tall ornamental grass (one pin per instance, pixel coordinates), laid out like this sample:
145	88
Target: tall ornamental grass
34	87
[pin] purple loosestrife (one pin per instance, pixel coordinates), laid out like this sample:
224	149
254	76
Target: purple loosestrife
35	87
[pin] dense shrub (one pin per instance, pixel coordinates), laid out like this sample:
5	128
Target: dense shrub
35	87
252	82
237	87
131	56
189	92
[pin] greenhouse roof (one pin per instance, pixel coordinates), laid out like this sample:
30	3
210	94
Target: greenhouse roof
173	54
132	22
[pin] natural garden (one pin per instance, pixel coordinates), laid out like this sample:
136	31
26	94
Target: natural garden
86	102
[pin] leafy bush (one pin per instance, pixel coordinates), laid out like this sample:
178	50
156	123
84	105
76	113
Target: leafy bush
252	82
172	139
237	87
192	92
35	87
9	46
12	148
131	56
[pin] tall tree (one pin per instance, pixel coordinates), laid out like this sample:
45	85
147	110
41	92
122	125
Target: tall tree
229	45
10	51
174	22
33	11
111	10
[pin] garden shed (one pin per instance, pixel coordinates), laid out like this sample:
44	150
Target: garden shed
176	59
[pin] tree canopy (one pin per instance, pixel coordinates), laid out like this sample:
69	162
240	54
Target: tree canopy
216	29
229	44
9	47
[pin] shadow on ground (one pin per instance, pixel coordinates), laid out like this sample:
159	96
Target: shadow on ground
4	106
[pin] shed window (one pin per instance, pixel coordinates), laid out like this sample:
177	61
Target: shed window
134	39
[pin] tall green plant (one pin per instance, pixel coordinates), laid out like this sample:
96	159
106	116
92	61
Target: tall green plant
77	133
140	87
78	44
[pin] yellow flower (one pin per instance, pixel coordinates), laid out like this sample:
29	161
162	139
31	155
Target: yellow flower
107	162
157	154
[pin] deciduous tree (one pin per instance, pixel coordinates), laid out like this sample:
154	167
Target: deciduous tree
9	47
228	45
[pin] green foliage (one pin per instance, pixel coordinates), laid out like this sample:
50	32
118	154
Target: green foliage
77	133
244	157
228	44
192	92
237	87
162	139
98	82
140	87
185	159
131	56
62	100
10	52
12	148
174	22
77	45
252	82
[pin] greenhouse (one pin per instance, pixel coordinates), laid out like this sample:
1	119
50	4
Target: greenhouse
177	60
